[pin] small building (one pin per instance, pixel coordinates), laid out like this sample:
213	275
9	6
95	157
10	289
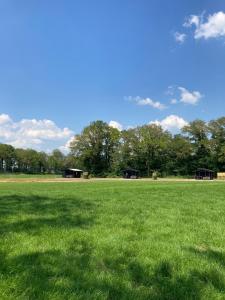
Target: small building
130	174
72	173
221	175
204	174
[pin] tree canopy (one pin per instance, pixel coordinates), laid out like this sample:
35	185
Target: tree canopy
102	150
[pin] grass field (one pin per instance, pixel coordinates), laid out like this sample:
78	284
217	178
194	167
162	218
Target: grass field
21	175
112	240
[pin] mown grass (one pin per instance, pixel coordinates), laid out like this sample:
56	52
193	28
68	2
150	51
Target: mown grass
112	240
22	175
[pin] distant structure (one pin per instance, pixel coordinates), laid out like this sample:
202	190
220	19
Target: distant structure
130	174
204	174
221	175
72	173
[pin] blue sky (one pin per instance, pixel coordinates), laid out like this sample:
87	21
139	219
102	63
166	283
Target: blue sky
72	62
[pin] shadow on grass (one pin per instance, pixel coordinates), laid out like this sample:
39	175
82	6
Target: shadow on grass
210	254
78	274
31	213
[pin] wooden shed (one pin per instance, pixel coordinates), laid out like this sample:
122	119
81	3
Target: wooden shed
204	174
130	174
72	173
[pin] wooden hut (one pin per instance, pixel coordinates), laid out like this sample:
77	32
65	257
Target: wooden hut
72	173
130	174
204	174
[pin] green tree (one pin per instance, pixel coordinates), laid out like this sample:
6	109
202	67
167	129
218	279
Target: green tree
43	162
7	157
56	161
180	159
198	134
95	146
126	154
144	148
27	161
154	142
217	143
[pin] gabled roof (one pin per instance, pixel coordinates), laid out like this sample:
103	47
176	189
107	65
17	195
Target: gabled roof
130	170
206	170
75	170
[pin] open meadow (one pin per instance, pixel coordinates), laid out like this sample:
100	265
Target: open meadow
112	240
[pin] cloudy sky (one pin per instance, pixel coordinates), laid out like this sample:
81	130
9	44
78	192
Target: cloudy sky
127	62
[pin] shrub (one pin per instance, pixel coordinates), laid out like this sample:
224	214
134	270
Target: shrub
154	176
86	175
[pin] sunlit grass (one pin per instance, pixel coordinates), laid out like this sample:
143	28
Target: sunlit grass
112	240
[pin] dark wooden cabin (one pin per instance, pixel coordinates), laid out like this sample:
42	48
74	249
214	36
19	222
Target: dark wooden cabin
130	174
72	173
204	174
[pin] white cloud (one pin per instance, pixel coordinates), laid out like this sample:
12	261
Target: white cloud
44	129
147	102
189	97
172	123
150	102
115	124
192	20
213	27
66	147
180	37
32	133
4	119
184	95
173	101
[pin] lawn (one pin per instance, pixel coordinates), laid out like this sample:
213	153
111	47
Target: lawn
29	176
112	240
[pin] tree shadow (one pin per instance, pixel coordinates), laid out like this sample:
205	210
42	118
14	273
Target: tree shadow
33	212
210	254
16	204
159	283
77	273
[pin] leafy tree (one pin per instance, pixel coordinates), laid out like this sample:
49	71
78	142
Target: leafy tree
198	134
56	161
103	150
7	157
153	147
127	151
180	159
43	162
95	146
217	131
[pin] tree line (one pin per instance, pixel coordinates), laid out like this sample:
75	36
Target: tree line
105	151
31	161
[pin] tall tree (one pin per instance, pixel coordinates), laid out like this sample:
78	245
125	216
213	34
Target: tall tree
180	159
56	161
127	151
198	134
7	157
154	143
217	131
95	146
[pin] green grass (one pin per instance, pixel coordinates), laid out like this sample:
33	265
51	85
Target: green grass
21	175
112	240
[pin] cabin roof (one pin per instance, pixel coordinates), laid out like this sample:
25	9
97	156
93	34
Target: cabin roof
205	170
74	170
130	170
